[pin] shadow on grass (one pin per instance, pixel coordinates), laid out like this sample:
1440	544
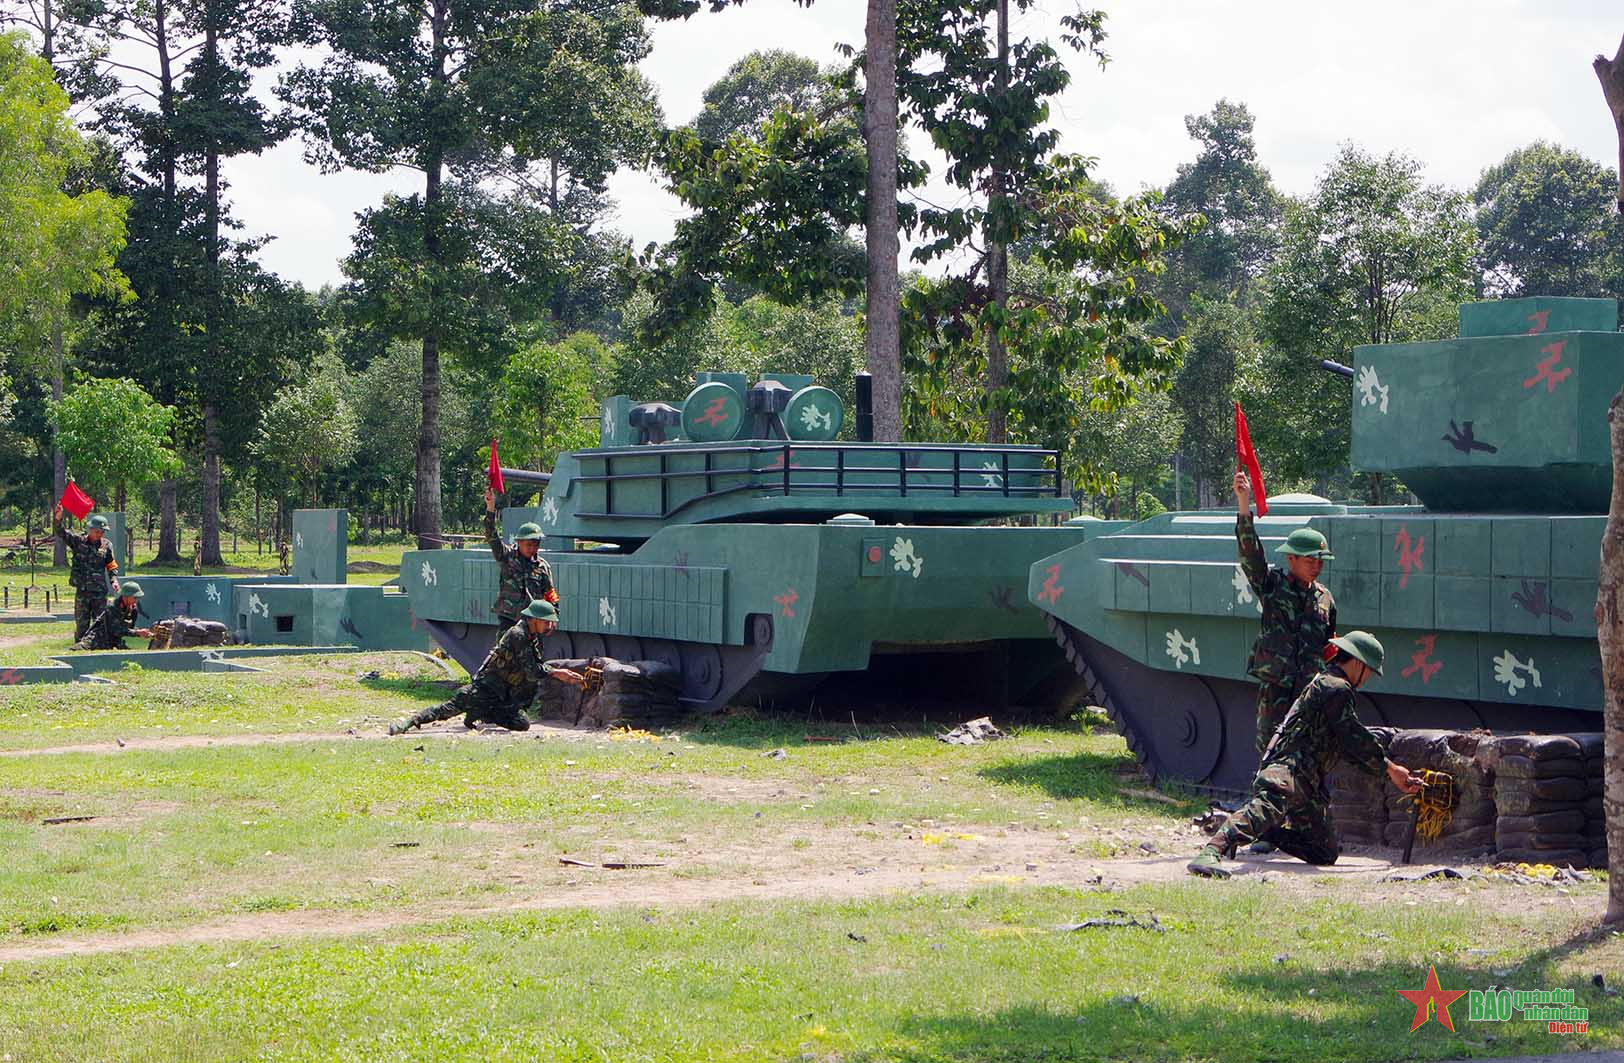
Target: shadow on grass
420	687
790	730
1107	777
1348	1013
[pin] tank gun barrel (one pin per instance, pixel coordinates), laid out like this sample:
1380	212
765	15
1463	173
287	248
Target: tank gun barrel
1335	367
526	476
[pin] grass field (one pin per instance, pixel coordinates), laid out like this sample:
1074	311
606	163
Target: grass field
266	876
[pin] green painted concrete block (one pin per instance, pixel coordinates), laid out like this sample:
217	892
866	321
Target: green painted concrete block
1407	601
1522	547
1169	590
1573	607
1355	542
1516	607
1576	546
1132	586
1358	596
1537	315
1434	665
1408	547
320	545
1462	602
1461	547
1539	671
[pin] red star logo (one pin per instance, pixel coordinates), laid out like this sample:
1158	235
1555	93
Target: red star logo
1432	1002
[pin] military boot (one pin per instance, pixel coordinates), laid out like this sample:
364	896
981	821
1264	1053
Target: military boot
417	719
1262	848
1208	863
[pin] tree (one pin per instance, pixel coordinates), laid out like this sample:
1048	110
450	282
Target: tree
1544	217
58	239
116	435
1220	336
308	427
1135	442
546	403
470	91
1609	615
740	102
1374	255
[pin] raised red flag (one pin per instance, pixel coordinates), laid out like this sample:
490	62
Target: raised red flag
76	501
1246	458
493	475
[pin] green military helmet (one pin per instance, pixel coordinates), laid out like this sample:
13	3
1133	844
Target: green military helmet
98	523
1306	542
543	610
528	530
1362	646
130	589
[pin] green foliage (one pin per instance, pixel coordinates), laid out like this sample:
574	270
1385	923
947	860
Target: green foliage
545	404
1220	336
115	435
54	244
755	87
1545	216
306	427
1372	256
1133	446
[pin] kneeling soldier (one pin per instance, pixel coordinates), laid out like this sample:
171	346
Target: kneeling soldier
506	682
107	631
1319	729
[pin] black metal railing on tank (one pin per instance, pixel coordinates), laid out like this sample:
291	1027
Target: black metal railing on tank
839	479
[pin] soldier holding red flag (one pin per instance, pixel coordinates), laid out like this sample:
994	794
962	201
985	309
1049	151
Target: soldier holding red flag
92	566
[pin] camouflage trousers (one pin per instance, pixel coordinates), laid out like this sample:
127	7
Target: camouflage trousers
476	702
86	608
1273	702
1280	792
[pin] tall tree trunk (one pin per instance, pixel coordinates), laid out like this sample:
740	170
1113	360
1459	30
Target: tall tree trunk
880	133
168	526
210	540
59	460
427	522
998	256
1609	621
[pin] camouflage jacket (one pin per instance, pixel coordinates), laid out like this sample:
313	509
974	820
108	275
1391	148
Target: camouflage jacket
1297	621
515	664
90	563
524	579
107	631
1321	728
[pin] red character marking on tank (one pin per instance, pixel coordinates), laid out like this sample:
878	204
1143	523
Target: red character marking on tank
1545	365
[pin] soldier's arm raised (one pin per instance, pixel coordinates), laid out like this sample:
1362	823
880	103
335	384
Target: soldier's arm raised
60	527
492	538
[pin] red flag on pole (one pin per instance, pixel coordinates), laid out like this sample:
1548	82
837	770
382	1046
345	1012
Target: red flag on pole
1246	459
76	501
493	475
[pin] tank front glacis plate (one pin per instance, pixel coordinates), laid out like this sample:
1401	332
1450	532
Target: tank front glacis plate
832	591
1468	606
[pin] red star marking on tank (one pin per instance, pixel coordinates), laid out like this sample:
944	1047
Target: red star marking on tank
788	599
715	413
1420	661
10	677
1545	365
1432	1002
1052	590
1536	322
874	555
1409	557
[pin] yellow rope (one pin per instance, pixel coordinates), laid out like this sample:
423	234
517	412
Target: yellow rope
1437	802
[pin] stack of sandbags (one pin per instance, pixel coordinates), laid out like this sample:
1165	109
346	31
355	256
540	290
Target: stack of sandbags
1359	801
1463	757
628	692
1540	791
1595	778
183	631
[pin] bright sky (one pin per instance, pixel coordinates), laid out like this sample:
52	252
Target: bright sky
1455	83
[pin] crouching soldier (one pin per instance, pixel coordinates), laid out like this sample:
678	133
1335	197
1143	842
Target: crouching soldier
107	631
91	569
1319	729
506	682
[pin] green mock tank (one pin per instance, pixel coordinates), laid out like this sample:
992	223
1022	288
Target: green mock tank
1483	595
735	535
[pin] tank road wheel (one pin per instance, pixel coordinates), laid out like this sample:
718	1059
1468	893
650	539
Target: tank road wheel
664	651
1189	738
588	644
701	671
558	646
624	648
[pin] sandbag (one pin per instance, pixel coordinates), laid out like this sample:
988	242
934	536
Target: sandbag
1568	821
1541	747
1515	767
1555	857
1592	743
1567	789
190	631
1525	840
1523	803
1470	839
1598	857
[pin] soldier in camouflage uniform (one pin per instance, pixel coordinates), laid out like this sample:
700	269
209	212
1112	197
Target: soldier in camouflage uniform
1299	615
507	681
1319	730
526	576
91	569
107	631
